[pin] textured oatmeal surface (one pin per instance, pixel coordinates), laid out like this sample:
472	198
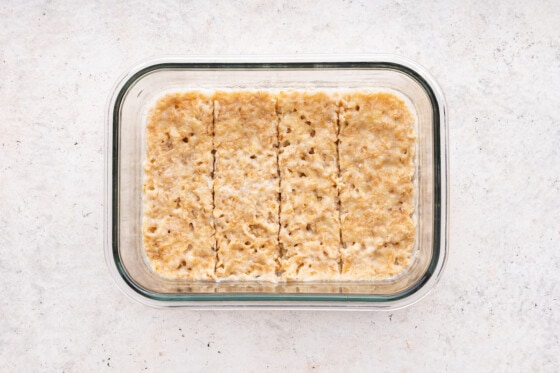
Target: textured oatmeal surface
246	185
251	185
310	229
178	228
376	150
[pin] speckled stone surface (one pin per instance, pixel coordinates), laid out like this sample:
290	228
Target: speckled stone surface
497	307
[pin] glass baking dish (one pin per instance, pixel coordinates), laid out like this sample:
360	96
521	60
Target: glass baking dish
128	107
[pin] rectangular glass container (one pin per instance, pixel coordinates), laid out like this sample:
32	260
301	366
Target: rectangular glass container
143	84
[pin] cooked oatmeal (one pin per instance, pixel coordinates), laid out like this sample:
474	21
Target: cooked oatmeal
254	185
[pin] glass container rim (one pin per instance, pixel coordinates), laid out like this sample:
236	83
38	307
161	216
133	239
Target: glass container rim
403	298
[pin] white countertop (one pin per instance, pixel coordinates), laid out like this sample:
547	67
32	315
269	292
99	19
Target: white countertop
497	307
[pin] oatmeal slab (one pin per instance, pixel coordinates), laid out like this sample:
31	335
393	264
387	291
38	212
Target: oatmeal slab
309	217
178	231
246	185
376	153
